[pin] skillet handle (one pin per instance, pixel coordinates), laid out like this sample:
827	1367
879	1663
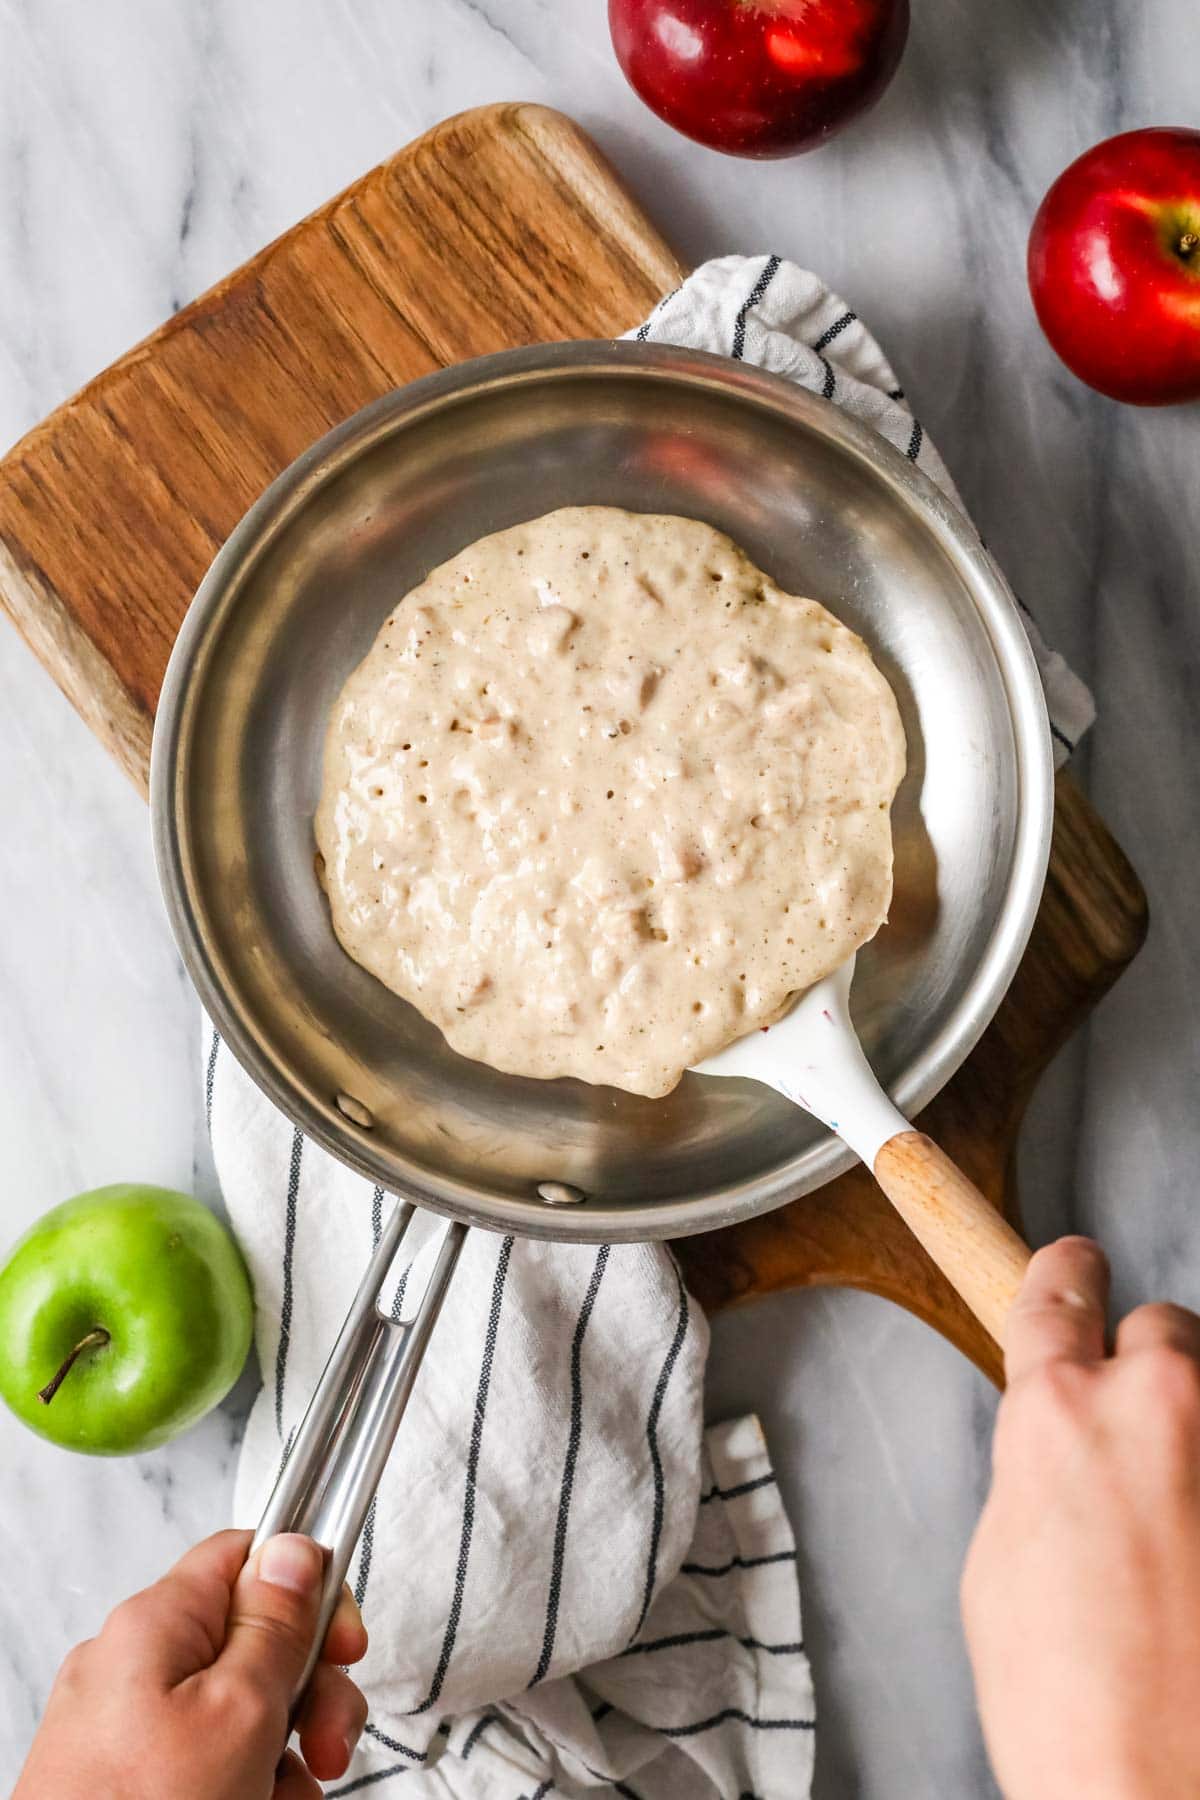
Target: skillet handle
974	1246
330	1475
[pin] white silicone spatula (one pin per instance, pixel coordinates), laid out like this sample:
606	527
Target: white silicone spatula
813	1056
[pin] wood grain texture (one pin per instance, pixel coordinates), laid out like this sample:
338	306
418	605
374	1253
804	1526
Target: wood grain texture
501	227
970	1240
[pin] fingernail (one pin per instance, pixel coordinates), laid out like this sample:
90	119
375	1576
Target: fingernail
290	1561
355	1610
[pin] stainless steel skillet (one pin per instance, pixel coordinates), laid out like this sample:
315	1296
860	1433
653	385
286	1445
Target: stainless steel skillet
292	603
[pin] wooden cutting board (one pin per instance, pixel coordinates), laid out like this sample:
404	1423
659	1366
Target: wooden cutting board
503	226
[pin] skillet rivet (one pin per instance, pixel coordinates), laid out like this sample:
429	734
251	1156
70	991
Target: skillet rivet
560	1193
354	1110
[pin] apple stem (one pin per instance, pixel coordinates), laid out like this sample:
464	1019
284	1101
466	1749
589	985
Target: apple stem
94	1340
1188	245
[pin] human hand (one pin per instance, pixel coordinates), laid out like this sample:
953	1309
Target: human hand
186	1689
1081	1592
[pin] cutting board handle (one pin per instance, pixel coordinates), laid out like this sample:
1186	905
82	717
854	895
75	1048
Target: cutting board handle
974	1246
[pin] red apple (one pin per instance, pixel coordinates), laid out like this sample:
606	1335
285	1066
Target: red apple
759	77
1114	266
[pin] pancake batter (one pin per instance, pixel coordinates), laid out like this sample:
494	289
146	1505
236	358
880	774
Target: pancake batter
601	798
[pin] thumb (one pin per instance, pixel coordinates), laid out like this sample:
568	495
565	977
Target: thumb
273	1617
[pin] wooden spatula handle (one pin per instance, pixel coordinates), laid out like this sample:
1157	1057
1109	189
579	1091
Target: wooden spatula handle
976	1249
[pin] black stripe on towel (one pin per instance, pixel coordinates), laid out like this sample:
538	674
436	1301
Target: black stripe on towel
770	270
364	1560
398	1296
480	1725
643	331
285	1303
915	441
733	1712
366	1781
468	1513
895	393
541	1790
1062	737
712	1635
285	1452
656	1406
210	1076
830	378
391	1743
568	1476
735	1493
738	1562
835	330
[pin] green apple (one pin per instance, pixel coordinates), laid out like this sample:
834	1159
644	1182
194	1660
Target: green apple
125	1315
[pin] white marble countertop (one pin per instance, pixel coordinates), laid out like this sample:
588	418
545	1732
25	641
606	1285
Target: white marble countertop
147	149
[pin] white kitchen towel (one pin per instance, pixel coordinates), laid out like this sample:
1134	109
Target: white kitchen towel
571	1588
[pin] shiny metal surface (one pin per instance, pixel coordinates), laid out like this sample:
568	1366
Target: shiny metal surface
343	1441
293	602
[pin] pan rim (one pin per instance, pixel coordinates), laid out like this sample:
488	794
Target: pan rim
287	495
